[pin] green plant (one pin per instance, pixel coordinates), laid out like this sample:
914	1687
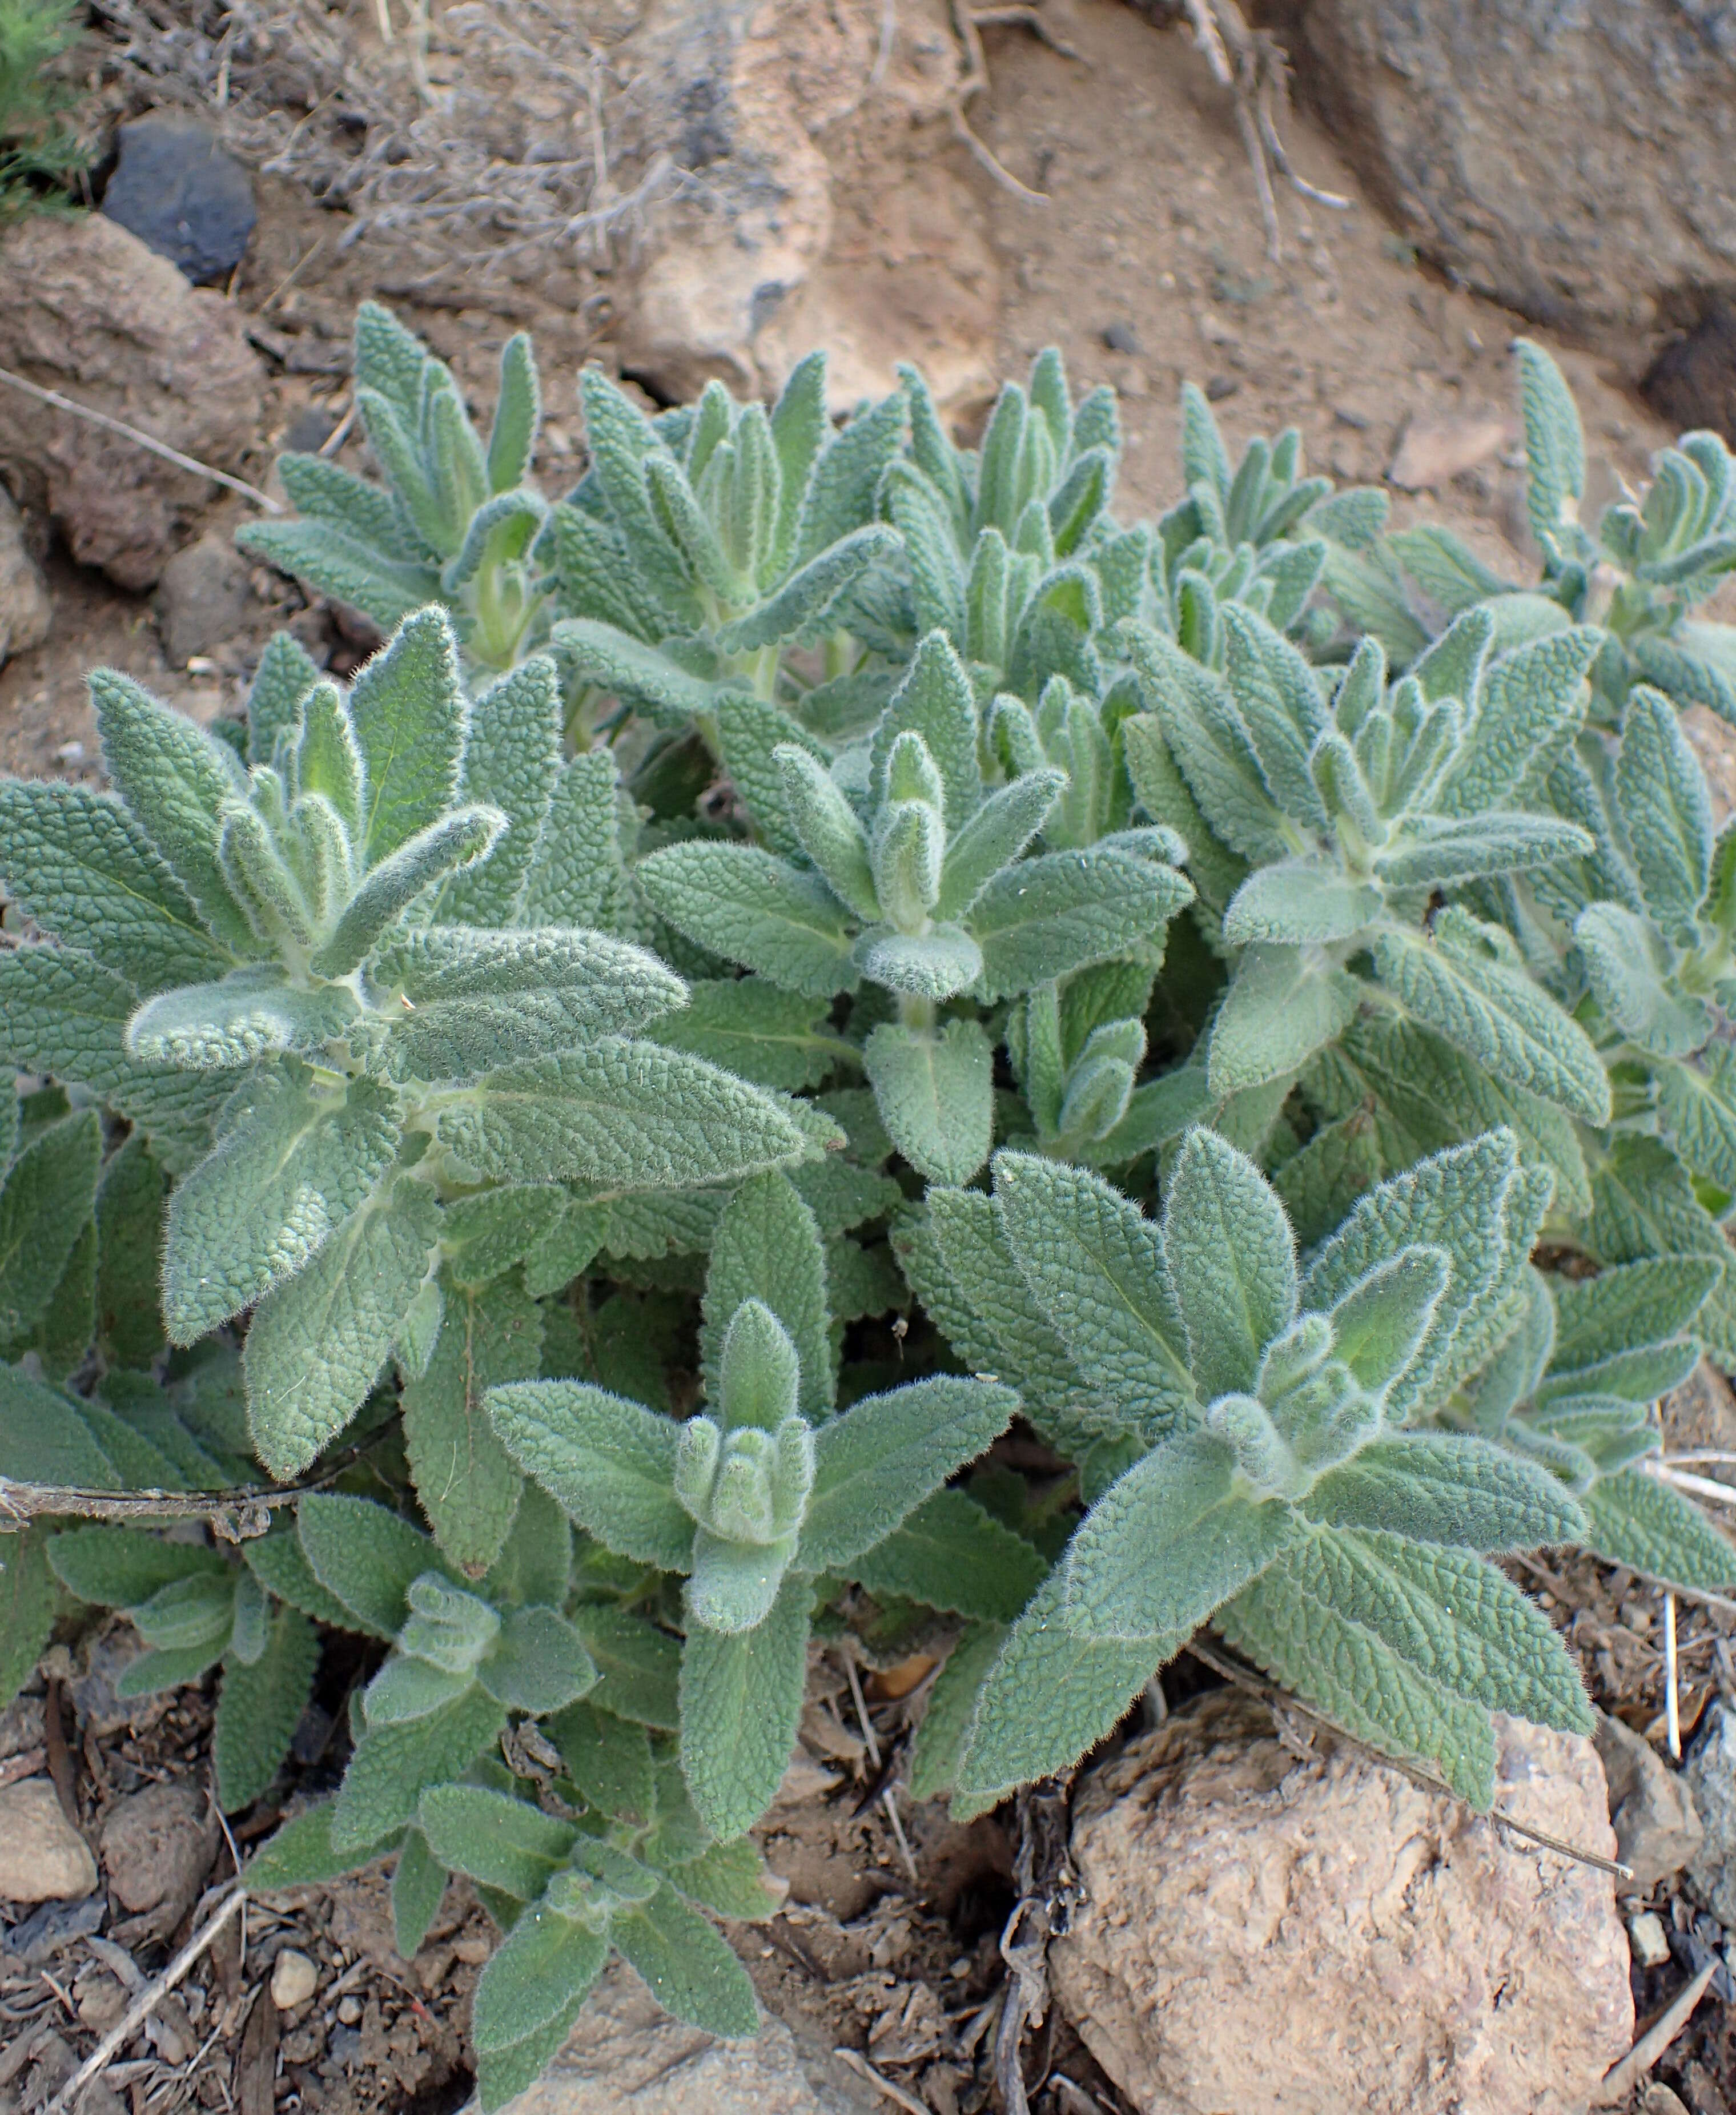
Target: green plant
1258	1025
39	154
1261	1453
332	985
1636	577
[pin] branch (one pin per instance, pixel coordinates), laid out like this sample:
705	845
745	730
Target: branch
235	1515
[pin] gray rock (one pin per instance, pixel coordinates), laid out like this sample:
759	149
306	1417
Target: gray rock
177	190
1573	163
1657	1826
42	1857
1283	1935
627	2057
202	598
1692	381
90	311
1710	1775
25	610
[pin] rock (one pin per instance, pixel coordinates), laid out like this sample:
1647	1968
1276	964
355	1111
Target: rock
1692	381
1710	1775
1572	164
784	243
1435	451
1648	1939
1657	1828
202	598
627	2057
90	312
25	610
1324	1937
177	190
42	1857
1659	2099
157	1845
294	1979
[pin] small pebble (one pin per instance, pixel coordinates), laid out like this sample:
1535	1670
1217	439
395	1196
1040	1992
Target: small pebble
70	752
1646	1937
1218	387
349	2010
294	1979
1122	338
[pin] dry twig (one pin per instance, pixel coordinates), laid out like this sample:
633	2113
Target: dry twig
863	2069
139	2011
1250	65
234	1515
1621	2079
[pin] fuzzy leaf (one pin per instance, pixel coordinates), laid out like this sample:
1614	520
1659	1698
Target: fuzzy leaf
493	1838
630	1115
468	1487
408	710
1633	1519
1050	1696
418	1889
748	1026
539	1974
767	1247
1445	1487
934	1093
1494	1013
364	1555
1282	1006
741	1698
260	1708
76	863
1043	918
608	1463
946	1721
638	1666
1231	1260
1095	1267
1289	1622
394	1764
950	1554
1168	1543
880	1459
1666	809
511	762
753	909
687	1966
317	1342
290	1170
47	1200
1298	900
537	1664
608	1759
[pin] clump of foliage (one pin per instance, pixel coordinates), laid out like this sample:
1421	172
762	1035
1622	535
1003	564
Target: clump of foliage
817	944
39	153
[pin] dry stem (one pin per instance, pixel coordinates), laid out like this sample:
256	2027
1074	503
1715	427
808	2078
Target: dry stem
140	439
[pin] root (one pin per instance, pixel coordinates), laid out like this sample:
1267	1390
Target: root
968	23
1250	65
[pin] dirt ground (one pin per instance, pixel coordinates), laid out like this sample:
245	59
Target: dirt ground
1146	261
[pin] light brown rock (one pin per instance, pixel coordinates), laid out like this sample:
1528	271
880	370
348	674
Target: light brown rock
91	313
626	2056
25	610
294	1979
1281	1936
811	217
42	1857
157	1845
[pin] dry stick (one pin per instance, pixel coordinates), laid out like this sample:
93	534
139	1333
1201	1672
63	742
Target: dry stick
1417	1775
887	1799
1621	2080
1671	1707
235	1516
1703	1486
863	2069
138	2012
140	439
